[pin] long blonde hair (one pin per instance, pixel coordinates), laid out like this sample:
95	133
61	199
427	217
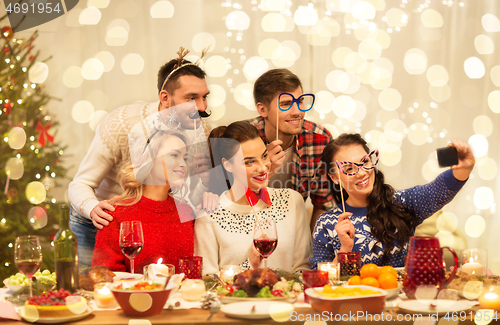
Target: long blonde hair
132	188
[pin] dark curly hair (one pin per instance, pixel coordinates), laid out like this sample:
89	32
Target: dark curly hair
388	221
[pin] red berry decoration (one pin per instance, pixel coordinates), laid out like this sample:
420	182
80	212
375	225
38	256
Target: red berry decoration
7	32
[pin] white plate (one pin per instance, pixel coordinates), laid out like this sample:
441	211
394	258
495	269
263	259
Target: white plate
424	306
393	293
230	300
13	287
55	320
262	308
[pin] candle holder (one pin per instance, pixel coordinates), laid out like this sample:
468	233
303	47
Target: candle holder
191	266
193	289
227	273
475	261
349	264
490	298
158	273
103	296
332	269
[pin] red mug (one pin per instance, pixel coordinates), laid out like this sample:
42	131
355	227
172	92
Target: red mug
313	278
425	265
191	266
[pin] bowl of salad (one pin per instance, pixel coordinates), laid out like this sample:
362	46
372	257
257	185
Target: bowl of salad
141	298
19	281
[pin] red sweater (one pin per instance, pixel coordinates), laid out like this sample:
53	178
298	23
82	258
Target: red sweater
164	235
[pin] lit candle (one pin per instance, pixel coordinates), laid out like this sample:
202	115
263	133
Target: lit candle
103	296
228	272
154	269
331	268
490	299
472	268
193	290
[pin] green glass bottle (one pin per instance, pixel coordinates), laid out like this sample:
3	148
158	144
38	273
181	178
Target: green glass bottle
66	253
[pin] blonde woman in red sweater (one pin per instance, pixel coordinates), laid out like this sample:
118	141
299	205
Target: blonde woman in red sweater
158	169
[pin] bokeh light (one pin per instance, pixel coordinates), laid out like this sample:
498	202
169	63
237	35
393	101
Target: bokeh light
415	61
354	62
97	117
474	68
395	130
370	49
217	112
37	217
305	16
339	55
382	38
216	66
117	32
237	20
431	18
203	40
92	69
243	94
254	67
474	226
430	34
284	56
483	125
217	95
494	101
35	192
484	44
396	18
478	144
360	111
344	106
273	5
107	59
363	10
440	94
277	22
447	221
82	111
89	16
418	134
437	75
132	63
319	35
390	99
490	23
390	155
38	73
267	47
16	138
483	197
495	75
487	169
162	9
14	168
337	81
324	102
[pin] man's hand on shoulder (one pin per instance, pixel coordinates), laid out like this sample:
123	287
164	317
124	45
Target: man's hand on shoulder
99	216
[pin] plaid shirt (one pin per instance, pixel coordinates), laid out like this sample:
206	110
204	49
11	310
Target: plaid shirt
309	145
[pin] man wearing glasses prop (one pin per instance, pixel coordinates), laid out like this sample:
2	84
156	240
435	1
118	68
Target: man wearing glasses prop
296	151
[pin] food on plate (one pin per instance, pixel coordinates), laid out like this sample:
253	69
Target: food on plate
462	278
385	277
260	283
345	292
57	303
141	286
93	275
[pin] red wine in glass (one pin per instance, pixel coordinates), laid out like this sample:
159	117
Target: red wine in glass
28	256
265	246
131	250
265	237
131	240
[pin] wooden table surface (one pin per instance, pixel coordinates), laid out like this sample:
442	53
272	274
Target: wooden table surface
199	316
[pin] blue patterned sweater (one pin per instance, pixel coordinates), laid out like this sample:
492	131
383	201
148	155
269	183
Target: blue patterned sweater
422	200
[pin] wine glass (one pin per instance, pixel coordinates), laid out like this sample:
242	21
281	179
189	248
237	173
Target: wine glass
28	256
265	237
131	240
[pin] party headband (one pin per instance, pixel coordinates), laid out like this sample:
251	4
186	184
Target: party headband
179	65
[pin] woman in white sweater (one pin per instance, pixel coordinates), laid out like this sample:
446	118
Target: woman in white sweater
225	237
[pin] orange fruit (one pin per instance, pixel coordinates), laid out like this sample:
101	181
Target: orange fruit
388	281
370	270
388	269
354	280
370	281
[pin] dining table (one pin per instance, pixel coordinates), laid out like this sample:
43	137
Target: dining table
302	313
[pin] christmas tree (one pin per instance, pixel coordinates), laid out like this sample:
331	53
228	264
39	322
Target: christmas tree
29	154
